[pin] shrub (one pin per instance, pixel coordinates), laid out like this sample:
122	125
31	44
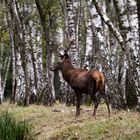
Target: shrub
10	129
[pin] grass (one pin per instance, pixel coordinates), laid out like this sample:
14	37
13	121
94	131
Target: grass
111	129
59	123
10	129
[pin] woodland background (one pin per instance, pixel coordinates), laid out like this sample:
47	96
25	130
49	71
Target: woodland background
106	37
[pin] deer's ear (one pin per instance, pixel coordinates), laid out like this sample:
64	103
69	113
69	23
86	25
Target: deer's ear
61	51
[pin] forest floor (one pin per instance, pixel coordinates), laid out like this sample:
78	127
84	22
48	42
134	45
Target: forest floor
59	122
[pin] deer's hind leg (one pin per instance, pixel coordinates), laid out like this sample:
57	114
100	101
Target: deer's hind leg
104	96
96	104
107	102
92	92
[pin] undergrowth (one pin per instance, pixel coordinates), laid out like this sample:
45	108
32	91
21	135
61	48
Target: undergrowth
10	129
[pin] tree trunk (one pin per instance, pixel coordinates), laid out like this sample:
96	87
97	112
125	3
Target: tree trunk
72	31
138	7
89	46
49	75
1	83
126	49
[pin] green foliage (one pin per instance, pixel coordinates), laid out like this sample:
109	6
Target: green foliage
10	129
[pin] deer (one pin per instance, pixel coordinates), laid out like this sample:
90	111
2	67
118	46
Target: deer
81	81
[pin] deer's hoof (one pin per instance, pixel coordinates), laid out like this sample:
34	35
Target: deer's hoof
77	115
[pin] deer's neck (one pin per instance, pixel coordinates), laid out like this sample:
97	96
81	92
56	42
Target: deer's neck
67	70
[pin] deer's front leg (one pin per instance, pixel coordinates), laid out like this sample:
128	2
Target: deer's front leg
78	101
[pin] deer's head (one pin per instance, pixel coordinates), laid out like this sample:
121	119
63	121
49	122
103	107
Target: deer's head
63	57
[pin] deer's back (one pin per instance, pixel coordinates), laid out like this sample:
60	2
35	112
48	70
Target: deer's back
82	80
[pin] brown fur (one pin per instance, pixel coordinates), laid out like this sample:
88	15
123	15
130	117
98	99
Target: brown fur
100	79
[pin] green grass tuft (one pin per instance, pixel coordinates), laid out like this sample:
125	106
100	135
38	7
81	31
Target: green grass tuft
10	129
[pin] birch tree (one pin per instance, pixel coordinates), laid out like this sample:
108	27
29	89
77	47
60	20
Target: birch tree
124	26
89	44
104	34
138	10
24	85
42	14
71	30
132	63
17	68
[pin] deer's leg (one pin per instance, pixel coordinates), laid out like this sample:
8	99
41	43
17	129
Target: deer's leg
104	96
78	100
106	101
96	104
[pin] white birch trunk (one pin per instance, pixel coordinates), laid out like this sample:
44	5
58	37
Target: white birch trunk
133	21
13	57
99	29
40	65
59	38
1	83
20	79
123	80
125	47
71	5
23	59
89	46
124	26
18	75
52	78
36	59
127	34
13	64
23	67
34	55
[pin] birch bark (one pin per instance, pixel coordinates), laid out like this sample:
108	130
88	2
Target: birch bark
48	41
89	46
14	31
133	21
71	6
130	36
1	89
126	49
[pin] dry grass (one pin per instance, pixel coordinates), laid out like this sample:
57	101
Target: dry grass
59	122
